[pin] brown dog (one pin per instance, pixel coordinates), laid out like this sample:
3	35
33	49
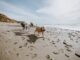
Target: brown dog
40	30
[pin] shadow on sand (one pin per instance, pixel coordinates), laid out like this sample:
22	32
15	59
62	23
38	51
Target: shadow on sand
18	33
32	38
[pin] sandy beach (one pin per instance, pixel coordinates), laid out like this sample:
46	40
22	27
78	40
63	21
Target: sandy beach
58	44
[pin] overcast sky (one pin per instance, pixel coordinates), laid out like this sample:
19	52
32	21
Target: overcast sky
43	11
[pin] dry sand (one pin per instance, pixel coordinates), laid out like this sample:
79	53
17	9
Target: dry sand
58	44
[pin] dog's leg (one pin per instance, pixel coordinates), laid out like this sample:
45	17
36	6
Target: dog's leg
38	33
23	28
34	32
43	35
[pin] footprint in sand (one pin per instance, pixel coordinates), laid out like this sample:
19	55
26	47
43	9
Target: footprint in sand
26	55
23	38
55	53
25	44
20	46
15	43
17	54
48	57
66	55
34	55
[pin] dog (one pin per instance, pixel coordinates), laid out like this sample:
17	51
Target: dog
24	25
40	30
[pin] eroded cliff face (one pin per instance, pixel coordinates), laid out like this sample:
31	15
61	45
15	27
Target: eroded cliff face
4	18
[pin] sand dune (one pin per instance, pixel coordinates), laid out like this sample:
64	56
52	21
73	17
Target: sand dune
58	44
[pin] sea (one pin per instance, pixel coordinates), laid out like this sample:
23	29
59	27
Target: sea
64	26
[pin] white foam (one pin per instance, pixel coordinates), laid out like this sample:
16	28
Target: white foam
71	27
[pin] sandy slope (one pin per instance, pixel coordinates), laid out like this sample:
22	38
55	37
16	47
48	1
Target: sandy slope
58	44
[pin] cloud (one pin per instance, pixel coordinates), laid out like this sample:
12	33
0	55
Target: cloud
64	11
47	12
12	7
16	12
